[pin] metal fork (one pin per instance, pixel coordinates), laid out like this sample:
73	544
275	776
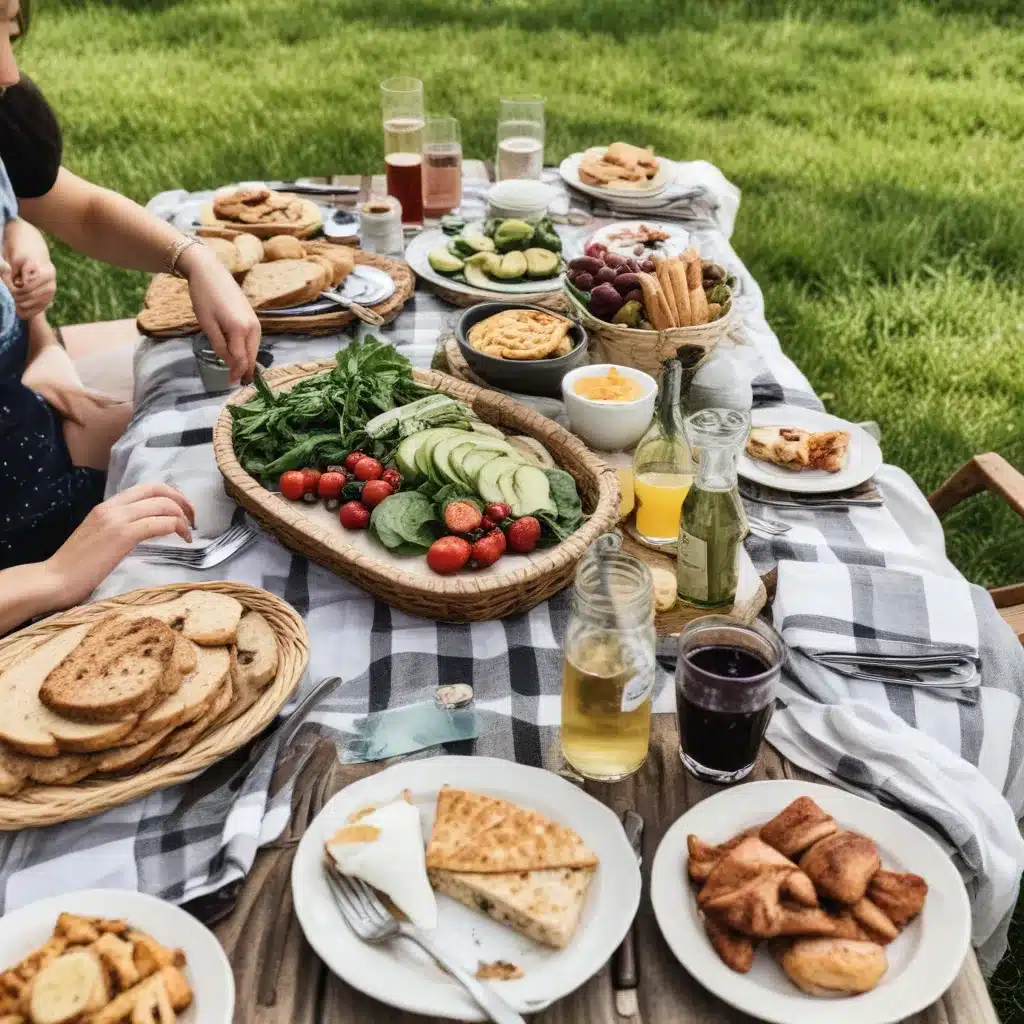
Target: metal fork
373	923
215	553
772	526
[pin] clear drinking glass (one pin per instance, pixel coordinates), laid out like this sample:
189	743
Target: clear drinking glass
726	677
442	166
520	137
609	668
402	109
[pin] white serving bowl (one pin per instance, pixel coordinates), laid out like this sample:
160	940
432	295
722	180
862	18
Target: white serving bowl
519	199
606	425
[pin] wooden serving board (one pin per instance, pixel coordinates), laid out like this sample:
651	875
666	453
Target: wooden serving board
280	980
515	583
36	806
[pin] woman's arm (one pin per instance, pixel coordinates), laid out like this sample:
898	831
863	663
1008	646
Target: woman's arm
32	277
109	227
107	534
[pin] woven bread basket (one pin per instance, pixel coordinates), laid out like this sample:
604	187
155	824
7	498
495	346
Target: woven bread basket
36	806
647	350
464	597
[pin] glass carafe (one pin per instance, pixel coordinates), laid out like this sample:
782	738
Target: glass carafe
609	668
713	522
663	464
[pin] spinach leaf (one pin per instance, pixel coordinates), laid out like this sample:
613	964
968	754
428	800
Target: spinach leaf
405	518
564	494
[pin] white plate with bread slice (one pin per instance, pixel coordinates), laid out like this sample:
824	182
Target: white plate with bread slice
499	841
806	451
110	955
620	170
886	936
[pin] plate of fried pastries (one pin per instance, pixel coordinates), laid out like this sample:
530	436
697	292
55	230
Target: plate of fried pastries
620	169
110	956
807	451
793	901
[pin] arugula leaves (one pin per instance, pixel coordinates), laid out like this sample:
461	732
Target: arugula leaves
321	419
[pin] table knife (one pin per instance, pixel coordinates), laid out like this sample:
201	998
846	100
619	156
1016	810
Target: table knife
625	976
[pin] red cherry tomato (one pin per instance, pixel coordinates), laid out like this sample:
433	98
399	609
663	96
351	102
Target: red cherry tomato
354	515
367	469
523	535
374	492
393	477
311	477
330	485
448	555
498	512
351	459
292	484
487	550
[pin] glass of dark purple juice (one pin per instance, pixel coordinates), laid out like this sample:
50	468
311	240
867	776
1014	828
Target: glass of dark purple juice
725	691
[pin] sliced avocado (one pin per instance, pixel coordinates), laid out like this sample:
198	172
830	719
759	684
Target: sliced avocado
513	234
443	261
532	492
466	245
488	262
540	263
476	278
428	439
479	427
513	266
487	485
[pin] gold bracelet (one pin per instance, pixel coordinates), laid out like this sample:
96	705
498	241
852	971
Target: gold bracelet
174	254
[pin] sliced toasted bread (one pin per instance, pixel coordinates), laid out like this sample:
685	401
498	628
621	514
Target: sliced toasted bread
202	616
543	905
29	726
182	739
13	772
63	770
125	758
256	647
192	699
117	670
183	663
282	283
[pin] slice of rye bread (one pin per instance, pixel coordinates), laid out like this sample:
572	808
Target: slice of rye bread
192	699
202	616
118	669
29	726
282	283
220	710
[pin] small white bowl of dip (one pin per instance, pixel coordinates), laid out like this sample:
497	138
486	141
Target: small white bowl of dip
609	424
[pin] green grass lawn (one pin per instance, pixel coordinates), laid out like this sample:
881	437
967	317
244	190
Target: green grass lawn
878	146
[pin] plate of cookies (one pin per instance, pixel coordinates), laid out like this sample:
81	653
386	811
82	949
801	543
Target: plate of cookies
620	169
109	956
114	699
797	901
262	212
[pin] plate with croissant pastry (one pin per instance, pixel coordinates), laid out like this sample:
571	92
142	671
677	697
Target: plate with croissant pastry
807	451
794	901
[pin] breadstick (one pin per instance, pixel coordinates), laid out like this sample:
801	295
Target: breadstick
661	269
693	275
657	310
677	275
690	254
699	304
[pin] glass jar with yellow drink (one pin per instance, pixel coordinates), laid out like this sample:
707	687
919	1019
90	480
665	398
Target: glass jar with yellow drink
609	667
663	464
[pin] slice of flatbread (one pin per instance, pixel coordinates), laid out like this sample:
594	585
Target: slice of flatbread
828	450
202	616
118	669
520	840
192	699
782	446
29	726
461	816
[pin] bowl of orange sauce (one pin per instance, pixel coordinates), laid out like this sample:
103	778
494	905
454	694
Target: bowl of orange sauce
609	407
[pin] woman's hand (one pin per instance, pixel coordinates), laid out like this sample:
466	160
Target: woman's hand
33	284
110	531
222	310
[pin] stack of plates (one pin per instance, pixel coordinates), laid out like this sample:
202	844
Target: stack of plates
519	199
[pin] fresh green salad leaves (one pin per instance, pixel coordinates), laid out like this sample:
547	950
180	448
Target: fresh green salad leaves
406	523
320	419
570	509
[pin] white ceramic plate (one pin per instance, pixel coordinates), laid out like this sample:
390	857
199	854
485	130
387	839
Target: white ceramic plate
863	457
676	243
207	969
434	238
569	169
399	973
923	962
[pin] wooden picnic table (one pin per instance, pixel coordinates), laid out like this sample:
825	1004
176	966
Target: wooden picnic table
282	981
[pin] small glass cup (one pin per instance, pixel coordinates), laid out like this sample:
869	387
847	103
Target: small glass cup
726	678
442	166
520	137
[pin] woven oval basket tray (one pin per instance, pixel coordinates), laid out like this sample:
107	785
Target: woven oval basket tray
36	806
513	584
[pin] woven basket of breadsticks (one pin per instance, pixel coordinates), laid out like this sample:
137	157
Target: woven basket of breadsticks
642	313
274	273
114	699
